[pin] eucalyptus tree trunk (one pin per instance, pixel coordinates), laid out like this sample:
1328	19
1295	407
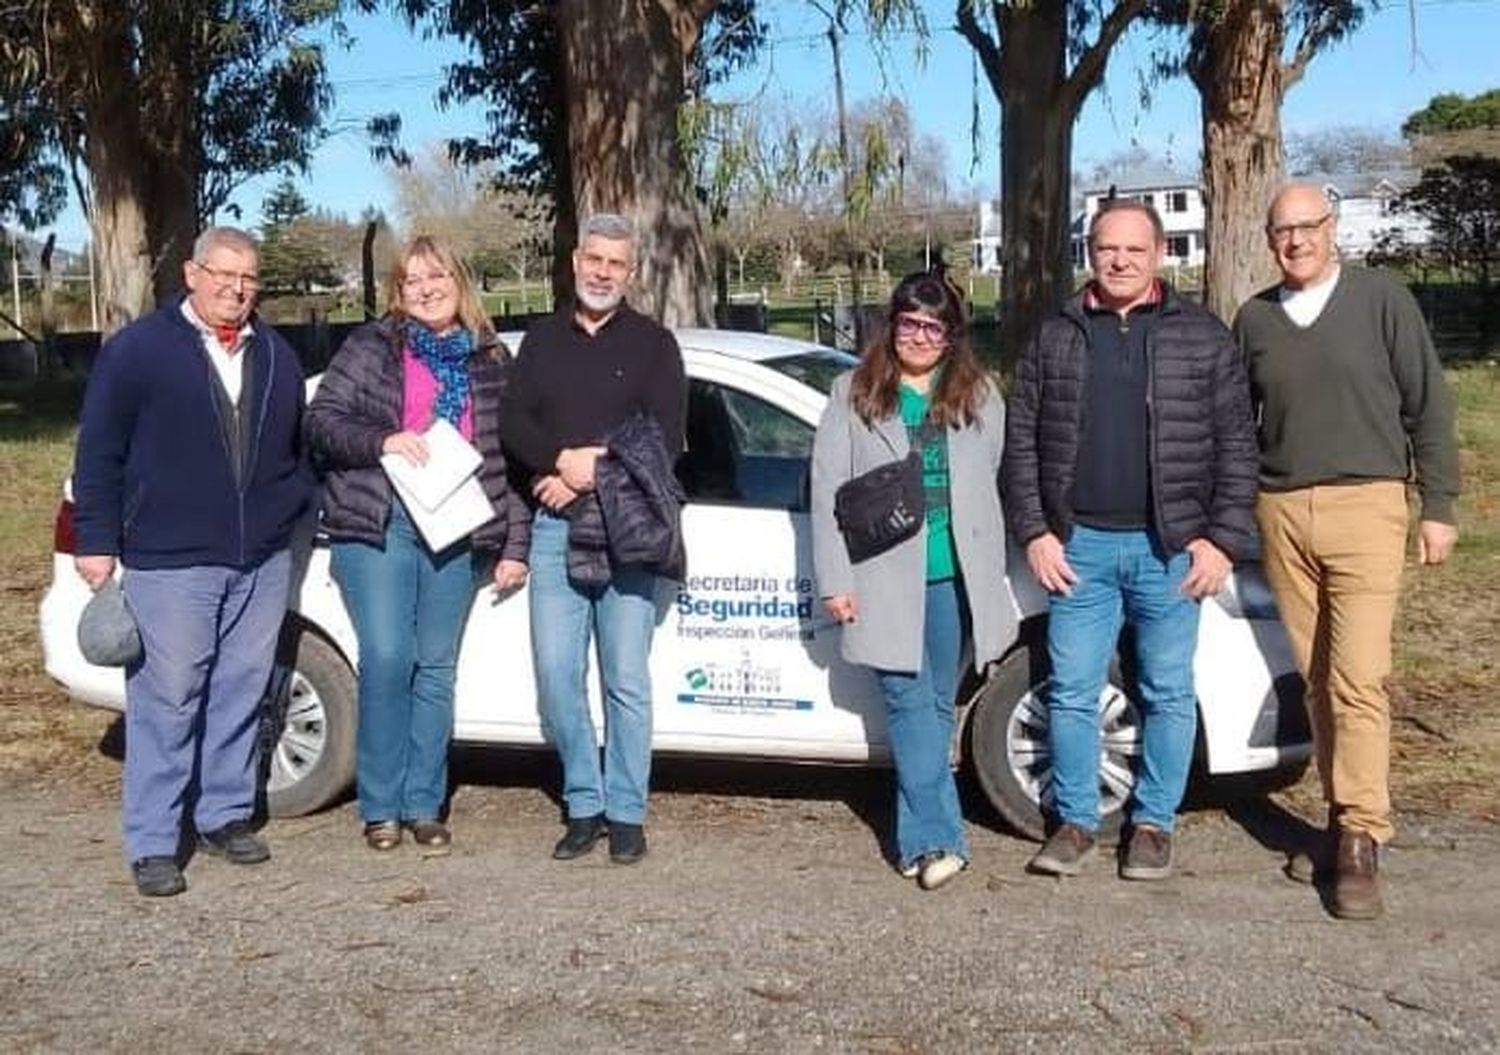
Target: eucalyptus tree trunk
112	152
1026	64
1241	82
623	77
1035	172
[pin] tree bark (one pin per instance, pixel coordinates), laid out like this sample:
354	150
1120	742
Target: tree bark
117	214
140	145
1241	81
623	77
1026	66
1035	172
170	122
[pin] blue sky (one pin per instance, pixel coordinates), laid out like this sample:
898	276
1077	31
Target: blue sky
1373	79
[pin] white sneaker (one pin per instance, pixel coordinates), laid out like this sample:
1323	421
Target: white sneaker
911	869
940	867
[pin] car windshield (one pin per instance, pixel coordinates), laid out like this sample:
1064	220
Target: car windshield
815	369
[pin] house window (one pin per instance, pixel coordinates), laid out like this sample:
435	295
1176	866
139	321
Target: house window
1177	201
1179	245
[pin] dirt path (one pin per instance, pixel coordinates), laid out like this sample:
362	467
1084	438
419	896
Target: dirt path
763	921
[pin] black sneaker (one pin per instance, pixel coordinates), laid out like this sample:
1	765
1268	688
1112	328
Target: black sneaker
1064	852
236	843
157	877
582	834
627	843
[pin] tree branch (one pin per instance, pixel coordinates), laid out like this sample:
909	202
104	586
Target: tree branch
1089	69
983	44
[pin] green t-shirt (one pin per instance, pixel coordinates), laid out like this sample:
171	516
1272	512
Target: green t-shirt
932	440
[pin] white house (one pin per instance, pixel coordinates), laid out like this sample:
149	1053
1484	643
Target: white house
1368	208
1367	205
986	244
1178	199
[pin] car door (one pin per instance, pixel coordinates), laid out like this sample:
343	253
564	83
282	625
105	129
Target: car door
745	660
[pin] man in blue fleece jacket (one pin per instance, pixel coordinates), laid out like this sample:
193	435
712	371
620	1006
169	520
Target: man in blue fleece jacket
189	473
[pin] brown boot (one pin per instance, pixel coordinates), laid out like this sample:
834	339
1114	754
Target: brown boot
1356	886
1314	863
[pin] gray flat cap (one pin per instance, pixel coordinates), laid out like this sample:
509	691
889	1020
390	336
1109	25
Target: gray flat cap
107	634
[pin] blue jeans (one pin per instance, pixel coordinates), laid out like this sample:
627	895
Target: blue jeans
919	726
193	700
621	617
1122	576
408	607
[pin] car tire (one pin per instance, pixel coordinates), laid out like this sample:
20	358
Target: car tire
312	762
1008	743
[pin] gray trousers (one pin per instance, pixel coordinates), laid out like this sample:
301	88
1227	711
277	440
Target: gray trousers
193	700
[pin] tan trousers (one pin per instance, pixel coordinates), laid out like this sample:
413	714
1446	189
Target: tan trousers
1333	556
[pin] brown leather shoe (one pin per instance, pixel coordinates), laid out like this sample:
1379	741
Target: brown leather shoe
1147	854
432	836
1064	852
1356	886
382	835
1314	862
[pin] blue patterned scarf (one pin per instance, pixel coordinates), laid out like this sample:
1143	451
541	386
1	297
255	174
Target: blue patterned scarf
448	359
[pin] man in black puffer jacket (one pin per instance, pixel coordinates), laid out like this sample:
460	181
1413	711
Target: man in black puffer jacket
1129	475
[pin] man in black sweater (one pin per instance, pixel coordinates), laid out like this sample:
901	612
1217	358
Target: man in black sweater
1351	397
579	375
1129	476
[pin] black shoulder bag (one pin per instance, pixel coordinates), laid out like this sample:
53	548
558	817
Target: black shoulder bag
882	508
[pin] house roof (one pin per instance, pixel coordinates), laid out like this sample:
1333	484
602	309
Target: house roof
1362	184
1148	175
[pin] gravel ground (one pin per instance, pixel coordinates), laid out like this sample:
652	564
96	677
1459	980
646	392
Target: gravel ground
763	920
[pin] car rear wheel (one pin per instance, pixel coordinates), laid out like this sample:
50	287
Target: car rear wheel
1012	759
312	763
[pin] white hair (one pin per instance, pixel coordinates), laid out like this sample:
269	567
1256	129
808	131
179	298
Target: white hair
224	238
608	225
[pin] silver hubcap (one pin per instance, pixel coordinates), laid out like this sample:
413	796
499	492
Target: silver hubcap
302	739
1030	758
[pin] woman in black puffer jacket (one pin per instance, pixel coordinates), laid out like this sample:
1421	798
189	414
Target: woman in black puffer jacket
434	354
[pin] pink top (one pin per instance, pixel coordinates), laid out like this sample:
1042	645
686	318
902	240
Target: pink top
419	396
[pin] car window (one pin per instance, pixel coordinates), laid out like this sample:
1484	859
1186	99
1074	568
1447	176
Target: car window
742	450
815	369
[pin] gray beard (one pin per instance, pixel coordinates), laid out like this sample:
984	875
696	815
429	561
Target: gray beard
599	304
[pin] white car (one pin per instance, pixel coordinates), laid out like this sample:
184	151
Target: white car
745	662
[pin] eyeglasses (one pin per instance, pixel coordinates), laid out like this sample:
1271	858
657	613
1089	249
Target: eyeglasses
1283	232
415	281
229	279
913	326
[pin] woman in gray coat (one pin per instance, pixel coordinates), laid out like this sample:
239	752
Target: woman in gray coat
908	611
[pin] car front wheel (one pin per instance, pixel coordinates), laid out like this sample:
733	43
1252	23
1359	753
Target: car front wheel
312	762
1010	751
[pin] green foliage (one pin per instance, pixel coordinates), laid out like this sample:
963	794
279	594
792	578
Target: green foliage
33	188
514	69
1452	112
1310	27
243	80
295	254
1460	201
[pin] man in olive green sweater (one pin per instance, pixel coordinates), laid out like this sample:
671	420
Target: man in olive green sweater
1351	398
